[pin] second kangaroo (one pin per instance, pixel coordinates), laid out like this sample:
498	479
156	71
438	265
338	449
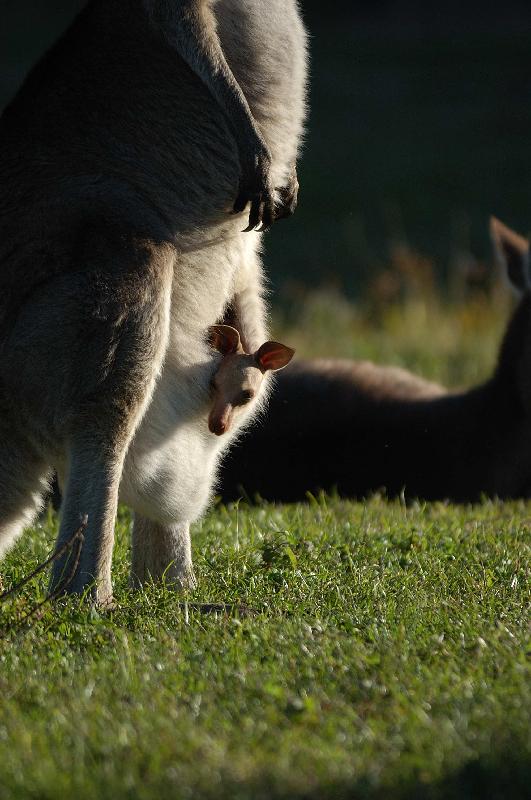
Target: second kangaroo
356	427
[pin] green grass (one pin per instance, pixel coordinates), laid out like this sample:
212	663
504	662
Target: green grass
387	655
455	344
387	658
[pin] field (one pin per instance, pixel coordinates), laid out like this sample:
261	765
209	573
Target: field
372	651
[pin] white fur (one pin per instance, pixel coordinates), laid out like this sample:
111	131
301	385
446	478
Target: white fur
171	462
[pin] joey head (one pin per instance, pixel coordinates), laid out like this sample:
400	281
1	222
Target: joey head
240	374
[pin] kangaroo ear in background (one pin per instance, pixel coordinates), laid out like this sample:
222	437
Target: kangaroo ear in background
224	338
512	250
272	356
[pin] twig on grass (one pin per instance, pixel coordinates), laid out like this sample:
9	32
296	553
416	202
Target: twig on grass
76	540
226	609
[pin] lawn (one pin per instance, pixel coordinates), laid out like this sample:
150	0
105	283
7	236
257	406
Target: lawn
372	650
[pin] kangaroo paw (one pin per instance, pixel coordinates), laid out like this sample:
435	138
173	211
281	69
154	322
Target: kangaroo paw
256	189
288	197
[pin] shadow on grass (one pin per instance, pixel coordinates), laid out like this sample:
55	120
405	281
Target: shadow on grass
498	777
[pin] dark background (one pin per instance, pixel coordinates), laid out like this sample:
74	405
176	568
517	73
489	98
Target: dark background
420	127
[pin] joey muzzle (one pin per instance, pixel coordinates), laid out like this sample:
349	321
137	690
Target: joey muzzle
220	419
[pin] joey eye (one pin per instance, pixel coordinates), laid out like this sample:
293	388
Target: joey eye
245	397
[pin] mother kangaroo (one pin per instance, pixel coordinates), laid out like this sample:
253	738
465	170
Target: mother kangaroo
127	160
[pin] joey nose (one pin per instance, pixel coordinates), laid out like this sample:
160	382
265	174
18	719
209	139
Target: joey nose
219	421
216	425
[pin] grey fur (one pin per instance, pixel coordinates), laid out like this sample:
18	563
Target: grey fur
118	172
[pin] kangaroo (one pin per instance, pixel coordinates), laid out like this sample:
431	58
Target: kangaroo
239	376
122	161
357	428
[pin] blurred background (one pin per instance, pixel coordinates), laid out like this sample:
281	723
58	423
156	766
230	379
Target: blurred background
419	129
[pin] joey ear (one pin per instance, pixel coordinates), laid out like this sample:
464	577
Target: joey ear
224	338
273	356
512	250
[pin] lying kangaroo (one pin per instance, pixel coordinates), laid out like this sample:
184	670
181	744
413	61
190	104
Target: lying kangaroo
239	376
122	159
356	427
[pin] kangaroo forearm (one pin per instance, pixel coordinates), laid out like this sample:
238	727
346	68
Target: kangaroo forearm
190	28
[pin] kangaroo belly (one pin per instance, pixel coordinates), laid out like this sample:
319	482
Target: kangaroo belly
169	480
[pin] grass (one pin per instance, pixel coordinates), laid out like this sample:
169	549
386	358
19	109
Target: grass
387	658
454	344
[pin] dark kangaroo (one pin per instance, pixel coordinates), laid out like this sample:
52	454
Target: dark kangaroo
356	427
122	160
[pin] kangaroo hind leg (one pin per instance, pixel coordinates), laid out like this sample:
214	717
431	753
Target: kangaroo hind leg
103	418
91	493
162	552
